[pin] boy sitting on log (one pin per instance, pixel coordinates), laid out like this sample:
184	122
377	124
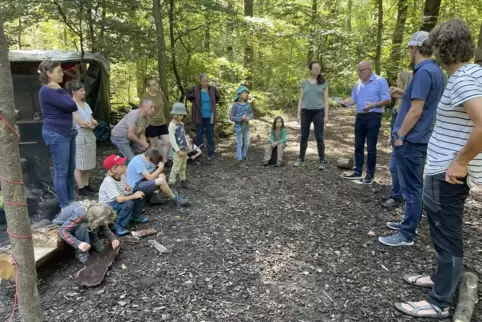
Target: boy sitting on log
84	224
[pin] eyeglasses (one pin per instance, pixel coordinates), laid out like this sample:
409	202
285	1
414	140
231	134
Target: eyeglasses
362	70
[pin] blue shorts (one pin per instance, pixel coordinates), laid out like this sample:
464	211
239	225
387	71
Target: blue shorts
146	186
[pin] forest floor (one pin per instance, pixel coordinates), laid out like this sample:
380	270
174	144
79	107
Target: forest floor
262	244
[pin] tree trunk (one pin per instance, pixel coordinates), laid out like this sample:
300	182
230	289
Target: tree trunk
18	222
161	48
173	50
311	41
397	40
478	54
348	20
430	14
378	54
19	35
248	51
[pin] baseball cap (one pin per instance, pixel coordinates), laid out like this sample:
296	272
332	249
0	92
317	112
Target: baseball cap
418	38
113	160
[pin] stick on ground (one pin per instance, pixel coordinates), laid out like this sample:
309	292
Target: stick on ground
159	247
467	298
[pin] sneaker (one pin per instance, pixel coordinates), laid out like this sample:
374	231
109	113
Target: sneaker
211	157
353	176
98	246
299	164
397	226
91	189
197	162
81	256
157	199
395	240
266	163
368	179
392	202
85	193
120	231
186	185
141	220
180	201
321	165
278	164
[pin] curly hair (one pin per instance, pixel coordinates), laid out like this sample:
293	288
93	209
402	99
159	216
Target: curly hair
453	42
98	214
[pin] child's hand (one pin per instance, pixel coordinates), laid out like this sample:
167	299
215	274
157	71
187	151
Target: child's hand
180	153
138	195
161	165
84	247
128	188
115	243
275	144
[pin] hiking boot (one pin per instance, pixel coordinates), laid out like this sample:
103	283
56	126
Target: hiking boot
91	189
186	185
321	165
353	176
120	231
278	164
368	179
180	201
299	164
266	163
395	240
81	256
157	199
392	202
85	193
98	246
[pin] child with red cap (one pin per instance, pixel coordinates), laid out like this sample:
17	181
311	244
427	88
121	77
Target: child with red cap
115	192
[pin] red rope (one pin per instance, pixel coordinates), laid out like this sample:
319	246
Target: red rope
15	297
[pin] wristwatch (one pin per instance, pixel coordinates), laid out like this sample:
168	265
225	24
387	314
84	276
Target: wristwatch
399	137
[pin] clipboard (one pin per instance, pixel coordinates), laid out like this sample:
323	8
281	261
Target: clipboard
336	99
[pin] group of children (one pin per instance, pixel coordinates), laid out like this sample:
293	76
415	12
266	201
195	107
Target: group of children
125	189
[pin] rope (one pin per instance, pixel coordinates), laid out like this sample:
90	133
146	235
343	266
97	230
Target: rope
17	269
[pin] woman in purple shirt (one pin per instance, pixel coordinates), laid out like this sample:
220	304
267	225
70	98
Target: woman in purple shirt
58	133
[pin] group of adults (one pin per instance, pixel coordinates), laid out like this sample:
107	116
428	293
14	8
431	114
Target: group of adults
68	125
436	127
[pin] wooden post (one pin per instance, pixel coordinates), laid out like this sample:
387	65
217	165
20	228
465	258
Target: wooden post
467	298
18	222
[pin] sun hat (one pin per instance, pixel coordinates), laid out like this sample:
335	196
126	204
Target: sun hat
178	109
239	91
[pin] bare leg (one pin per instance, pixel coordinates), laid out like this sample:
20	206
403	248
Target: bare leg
164	187
154	143
167	147
79	178
85	177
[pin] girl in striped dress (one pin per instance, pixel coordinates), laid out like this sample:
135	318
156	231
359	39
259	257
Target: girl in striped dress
85	154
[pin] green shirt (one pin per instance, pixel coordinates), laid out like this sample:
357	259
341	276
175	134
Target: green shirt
313	95
158	117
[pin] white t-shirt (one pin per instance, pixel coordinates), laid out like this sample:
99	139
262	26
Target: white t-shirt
111	189
85	114
453	125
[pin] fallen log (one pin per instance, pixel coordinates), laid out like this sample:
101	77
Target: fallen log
46	242
467	298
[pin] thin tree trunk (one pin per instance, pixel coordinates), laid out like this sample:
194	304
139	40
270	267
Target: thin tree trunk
378	54
478	54
173	50
18	222
161	48
19	35
430	14
311	42
348	20
397	40
248	51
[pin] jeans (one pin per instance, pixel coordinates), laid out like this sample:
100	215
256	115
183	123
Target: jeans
242	149
317	117
396	190
367	126
127	148
410	158
444	203
62	149
207	127
127	211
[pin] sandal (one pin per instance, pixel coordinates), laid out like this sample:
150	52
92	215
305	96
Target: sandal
413	280
415	309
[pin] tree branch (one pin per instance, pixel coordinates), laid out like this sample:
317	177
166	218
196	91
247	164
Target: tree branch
64	18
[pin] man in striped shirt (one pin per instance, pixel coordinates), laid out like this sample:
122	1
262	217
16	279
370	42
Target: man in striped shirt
454	164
